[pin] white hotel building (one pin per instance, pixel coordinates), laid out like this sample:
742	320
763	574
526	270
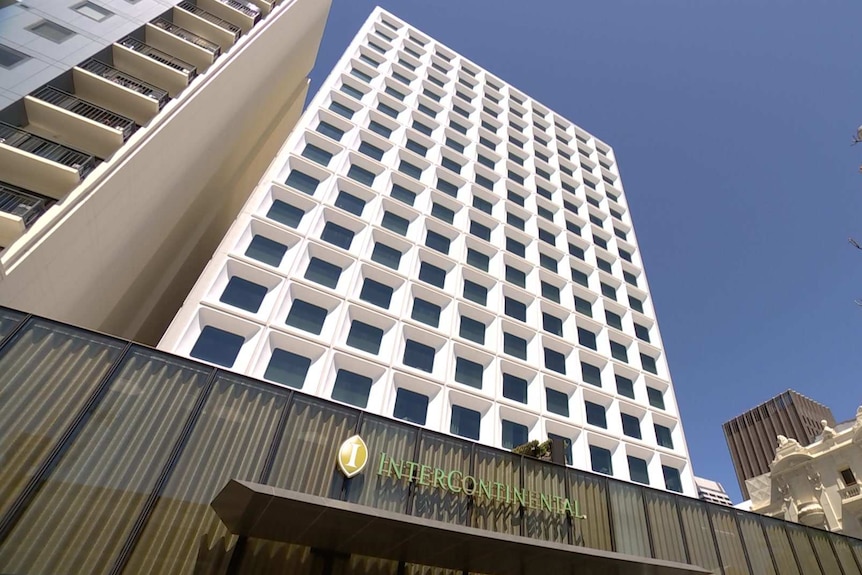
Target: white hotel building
432	244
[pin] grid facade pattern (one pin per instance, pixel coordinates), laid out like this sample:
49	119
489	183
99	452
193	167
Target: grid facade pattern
752	437
431	244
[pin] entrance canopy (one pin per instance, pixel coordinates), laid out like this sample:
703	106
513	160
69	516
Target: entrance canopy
266	512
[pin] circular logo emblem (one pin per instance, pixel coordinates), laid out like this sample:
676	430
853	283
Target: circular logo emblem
352	456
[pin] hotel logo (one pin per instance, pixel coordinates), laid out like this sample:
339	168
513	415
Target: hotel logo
352	456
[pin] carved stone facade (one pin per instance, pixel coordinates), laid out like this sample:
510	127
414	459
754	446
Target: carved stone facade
817	485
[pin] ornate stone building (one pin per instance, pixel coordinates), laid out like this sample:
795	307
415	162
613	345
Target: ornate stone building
816	485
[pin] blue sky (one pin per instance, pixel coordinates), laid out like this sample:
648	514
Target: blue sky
731	121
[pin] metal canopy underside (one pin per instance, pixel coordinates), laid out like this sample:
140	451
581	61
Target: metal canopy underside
266	512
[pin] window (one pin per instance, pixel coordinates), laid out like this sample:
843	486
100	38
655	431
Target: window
350	203
514	308
572	226
587	338
92	11
10	57
487	143
580	277
619	351
341	109
547	237
672	480
638	470
846	474
457	127
552	324
395	223
620	234
625	255
371	151
455	145
514	388
426	110
516	177
376	293
514	346
480	231
482	205
648	363
388	110
555	361
285	213
418	355
595	414
266	250
217	346
447	187
550	292
631	425
51	31
516	221
401	78
468	372
609	291
460	111
432	274
379	128
302	182
642	332
665	439
575	250
306	316
516	277
478	260
337	235
422	128
475	292
625	386
566	443
426	312
604	265
515	247
630	278
410	406
486	183
409	169
351	91
360	74
385	255
545	213
351	388
443	213
472	330
591	374
370	61
548	262
415	146
431	94
514	434
361	175
323	272
656	397
437	242
583	306
636	304
465	422
517	198
558	402
600	459
243	294
287	368
614	320
485	161
450	164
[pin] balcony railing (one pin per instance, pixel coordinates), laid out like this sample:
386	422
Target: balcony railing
27	142
159	56
246	8
19	203
211	18
125	80
849	492
181	32
85	109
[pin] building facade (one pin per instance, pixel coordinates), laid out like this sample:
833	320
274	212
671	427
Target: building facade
132	135
712	491
751	437
432	244
817	484
118	458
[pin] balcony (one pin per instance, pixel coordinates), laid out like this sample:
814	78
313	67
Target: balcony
152	65
851	494
37	164
241	13
208	25
116	90
18	211
191	47
77	122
